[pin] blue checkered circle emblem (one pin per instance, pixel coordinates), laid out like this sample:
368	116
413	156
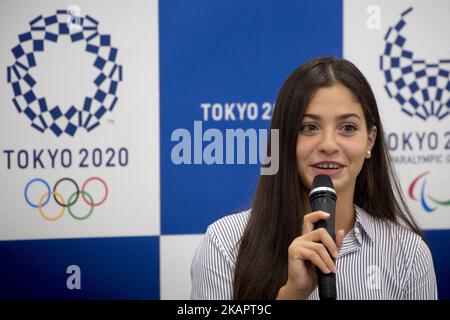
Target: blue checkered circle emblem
68	119
421	87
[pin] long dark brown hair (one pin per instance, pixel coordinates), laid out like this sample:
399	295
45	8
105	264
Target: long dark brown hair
279	205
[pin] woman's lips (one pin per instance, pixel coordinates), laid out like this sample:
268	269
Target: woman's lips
329	172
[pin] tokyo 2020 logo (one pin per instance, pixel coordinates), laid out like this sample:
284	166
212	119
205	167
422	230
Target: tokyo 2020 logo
56	118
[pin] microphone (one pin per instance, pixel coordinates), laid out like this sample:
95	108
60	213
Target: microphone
323	197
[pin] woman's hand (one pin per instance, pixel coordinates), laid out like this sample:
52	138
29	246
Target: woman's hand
312	249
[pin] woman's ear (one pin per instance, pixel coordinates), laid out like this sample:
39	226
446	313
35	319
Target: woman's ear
371	138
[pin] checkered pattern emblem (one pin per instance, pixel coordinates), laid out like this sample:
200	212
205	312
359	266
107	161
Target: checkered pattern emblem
64	119
422	88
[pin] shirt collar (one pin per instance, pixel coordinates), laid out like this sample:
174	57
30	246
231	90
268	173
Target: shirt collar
365	222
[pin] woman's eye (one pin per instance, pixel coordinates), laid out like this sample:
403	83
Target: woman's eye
308	128
349	128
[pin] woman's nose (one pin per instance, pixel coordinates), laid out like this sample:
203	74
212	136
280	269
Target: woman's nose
328	143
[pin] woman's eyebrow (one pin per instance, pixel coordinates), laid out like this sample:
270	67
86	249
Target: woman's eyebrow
347	115
340	117
312	116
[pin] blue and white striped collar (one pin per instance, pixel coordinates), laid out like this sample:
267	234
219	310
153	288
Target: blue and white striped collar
365	222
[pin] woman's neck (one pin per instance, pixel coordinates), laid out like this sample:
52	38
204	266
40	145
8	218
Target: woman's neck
345	212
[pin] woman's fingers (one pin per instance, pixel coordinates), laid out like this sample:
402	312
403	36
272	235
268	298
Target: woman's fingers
311	218
322	235
313	256
323	254
317	246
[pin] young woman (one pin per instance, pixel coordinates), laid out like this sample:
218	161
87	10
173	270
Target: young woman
328	123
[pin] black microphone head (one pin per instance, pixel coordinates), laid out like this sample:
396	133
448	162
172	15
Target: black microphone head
322	180
322	183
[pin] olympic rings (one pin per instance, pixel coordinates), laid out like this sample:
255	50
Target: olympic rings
59	199
26	192
41	211
77	192
84	193
76	195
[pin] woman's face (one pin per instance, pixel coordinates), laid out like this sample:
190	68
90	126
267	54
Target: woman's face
333	138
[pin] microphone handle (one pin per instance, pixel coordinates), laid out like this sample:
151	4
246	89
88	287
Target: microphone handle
326	282
328	205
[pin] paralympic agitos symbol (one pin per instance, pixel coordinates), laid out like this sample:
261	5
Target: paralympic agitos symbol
59	199
424	195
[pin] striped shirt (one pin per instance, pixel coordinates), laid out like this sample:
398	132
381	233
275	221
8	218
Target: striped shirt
378	260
